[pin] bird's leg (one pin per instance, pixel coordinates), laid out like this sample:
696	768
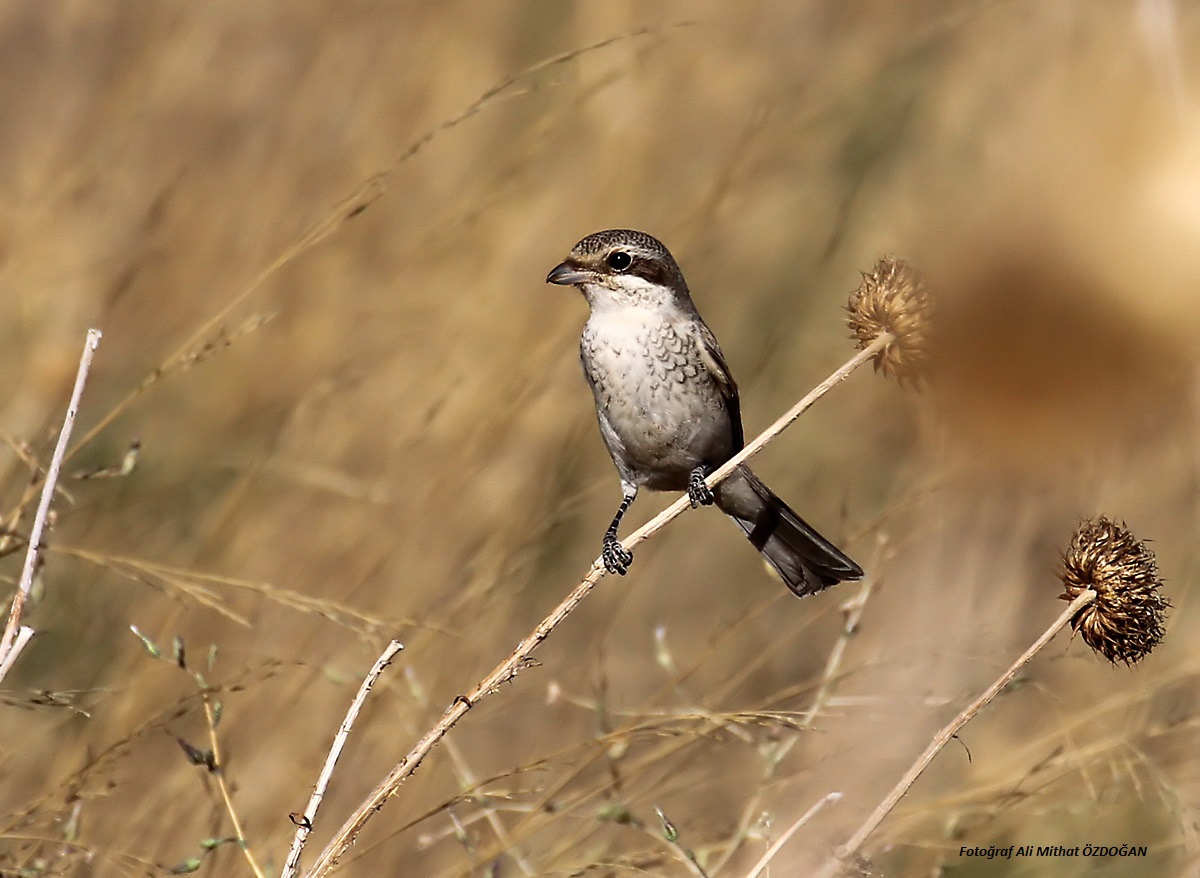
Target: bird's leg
616	559
698	492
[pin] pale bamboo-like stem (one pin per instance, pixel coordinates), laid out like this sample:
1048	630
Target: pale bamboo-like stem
838	861
306	820
15	636
24	635
519	657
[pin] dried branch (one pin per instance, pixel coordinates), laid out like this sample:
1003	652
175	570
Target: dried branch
520	657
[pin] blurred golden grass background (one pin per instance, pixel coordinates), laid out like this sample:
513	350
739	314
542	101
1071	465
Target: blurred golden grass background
405	447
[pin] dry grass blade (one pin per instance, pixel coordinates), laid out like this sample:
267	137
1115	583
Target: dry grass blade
195	585
194	347
98	764
509	81
365	194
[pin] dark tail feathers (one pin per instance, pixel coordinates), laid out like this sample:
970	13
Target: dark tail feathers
805	560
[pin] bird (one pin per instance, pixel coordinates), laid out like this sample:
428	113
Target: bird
668	407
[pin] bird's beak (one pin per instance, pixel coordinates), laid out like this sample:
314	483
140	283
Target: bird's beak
564	273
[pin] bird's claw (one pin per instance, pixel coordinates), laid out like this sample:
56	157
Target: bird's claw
698	492
616	559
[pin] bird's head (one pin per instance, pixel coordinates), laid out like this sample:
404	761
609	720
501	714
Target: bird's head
622	267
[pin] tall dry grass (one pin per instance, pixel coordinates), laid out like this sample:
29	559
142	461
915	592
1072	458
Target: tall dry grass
386	433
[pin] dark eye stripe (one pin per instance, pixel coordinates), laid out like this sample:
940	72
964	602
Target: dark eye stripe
650	269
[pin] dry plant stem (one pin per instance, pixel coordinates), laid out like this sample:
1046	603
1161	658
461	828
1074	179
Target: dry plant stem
305	824
215	746
838	861
15	637
517	660
768	435
791	830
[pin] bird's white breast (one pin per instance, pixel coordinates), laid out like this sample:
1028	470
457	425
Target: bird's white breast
637	364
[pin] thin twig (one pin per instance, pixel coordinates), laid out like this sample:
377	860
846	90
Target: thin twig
768	435
15	636
211	717
837	862
808	815
304	823
519	657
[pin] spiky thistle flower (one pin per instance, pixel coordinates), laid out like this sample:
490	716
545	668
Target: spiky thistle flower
1125	621
893	298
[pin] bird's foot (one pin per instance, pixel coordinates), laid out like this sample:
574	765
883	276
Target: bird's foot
616	559
698	492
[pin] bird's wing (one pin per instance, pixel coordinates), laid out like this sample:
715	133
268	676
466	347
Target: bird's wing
714	361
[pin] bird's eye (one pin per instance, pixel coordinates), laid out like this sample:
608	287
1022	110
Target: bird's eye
619	260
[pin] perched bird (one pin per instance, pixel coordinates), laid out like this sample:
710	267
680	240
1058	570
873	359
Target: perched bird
668	407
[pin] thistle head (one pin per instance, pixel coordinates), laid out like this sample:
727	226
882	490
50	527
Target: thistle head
1125	621
893	298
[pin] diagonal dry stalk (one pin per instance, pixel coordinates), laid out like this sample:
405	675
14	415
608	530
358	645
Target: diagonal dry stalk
519	659
836	863
15	635
210	717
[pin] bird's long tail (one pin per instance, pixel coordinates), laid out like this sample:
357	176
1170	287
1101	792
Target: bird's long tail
805	560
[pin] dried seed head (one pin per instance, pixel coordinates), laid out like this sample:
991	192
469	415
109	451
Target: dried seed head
892	298
1125	621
